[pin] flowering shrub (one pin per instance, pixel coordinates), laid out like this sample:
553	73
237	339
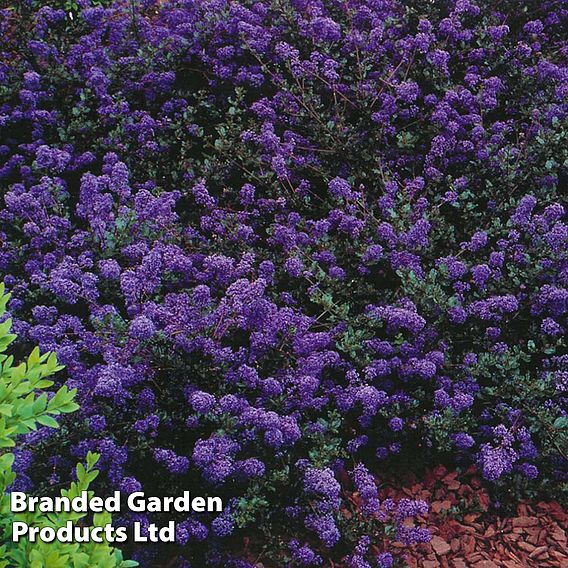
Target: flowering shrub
280	245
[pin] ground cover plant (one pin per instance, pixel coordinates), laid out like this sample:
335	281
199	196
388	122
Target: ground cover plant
284	246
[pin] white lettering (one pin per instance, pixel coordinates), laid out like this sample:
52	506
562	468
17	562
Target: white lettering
18	502
138	536
214	504
19	529
112	504
136	503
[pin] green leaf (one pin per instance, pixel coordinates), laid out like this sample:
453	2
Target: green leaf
561	423
46	420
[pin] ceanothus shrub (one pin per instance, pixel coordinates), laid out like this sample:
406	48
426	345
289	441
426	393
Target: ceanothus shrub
282	247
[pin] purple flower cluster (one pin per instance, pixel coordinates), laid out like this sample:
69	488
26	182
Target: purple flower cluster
266	238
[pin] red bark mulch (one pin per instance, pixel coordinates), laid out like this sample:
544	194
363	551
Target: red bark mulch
534	537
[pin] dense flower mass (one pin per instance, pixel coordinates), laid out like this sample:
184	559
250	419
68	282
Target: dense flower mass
281	245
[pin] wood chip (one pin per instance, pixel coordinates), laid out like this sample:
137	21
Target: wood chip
436	507
526	546
558	534
525	521
485	564
440	546
541	552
